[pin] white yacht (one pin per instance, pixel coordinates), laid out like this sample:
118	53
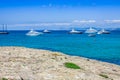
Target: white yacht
103	31
73	31
90	30
46	31
33	33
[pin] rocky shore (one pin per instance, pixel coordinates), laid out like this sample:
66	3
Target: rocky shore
19	63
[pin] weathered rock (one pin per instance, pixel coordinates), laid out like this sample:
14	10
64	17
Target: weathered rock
18	63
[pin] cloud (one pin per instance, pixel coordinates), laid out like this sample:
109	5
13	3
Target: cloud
50	5
43	24
43	6
75	23
112	21
84	21
54	24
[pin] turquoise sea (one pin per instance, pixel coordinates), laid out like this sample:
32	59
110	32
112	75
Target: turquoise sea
104	47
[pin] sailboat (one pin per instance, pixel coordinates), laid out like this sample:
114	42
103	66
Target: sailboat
73	31
46	31
4	31
103	31
33	33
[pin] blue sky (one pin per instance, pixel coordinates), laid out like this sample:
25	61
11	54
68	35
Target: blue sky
61	14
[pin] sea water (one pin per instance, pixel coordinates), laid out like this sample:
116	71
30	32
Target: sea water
105	47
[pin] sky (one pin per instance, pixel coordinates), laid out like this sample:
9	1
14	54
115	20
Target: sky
60	14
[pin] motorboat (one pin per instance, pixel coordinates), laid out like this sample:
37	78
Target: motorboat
91	30
103	31
46	31
33	33
73	31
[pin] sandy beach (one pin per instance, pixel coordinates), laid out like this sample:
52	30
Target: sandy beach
20	63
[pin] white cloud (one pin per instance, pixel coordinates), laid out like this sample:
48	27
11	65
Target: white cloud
54	24
76	21
50	5
43	24
84	21
112	21
43	6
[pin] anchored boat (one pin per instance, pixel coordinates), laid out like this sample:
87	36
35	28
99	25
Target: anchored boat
46	31
103	31
33	33
73	31
4	29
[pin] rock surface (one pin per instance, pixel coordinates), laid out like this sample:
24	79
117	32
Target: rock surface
19	63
